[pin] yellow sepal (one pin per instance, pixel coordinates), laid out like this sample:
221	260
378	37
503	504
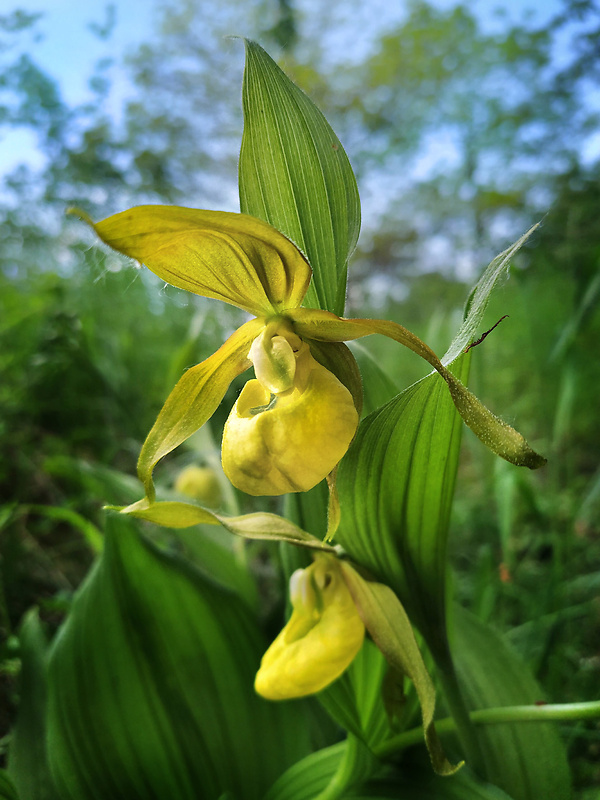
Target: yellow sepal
232	257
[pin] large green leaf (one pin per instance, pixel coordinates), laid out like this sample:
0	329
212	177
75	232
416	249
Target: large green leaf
7	788
294	174
396	485
314	776
423	785
526	759
355	699
305	779
151	686
28	762
396	482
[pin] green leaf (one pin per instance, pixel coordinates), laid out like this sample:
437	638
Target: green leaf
306	778
396	485
356	765
28	760
526	759
495	272
7	788
396	482
355	699
423	785
87	528
294	174
151	686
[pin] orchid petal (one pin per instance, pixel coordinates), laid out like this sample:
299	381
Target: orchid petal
195	399
492	431
274	444
385	619
232	257
321	639
260	526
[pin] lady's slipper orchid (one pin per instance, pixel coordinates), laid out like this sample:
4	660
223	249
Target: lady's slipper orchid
321	639
333	608
294	422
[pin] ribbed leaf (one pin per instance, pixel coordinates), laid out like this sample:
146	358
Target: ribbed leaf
7	788
28	762
305	779
310	777
397	480
396	484
355	699
294	174
525	759
421	785
151	686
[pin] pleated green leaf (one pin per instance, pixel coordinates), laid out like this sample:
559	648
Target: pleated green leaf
396	482
420	785
527	760
294	174
308	777
7	787
151	686
355	699
313	776
396	485
28	762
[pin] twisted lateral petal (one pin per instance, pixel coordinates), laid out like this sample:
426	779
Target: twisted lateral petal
195	399
385	619
232	257
289	442
492	431
321	639
261	525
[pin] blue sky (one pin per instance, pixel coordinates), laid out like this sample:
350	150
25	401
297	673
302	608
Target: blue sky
68	48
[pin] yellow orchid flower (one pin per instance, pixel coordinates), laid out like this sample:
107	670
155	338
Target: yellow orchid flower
333	608
293	423
321	639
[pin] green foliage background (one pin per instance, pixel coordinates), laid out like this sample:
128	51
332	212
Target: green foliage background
90	346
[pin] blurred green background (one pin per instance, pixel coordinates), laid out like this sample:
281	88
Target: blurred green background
464	127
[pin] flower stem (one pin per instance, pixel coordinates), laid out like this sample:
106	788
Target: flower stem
486	716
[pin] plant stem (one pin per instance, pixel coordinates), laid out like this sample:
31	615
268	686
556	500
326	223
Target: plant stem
485	716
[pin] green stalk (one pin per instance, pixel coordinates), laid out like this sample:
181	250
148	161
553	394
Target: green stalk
488	716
